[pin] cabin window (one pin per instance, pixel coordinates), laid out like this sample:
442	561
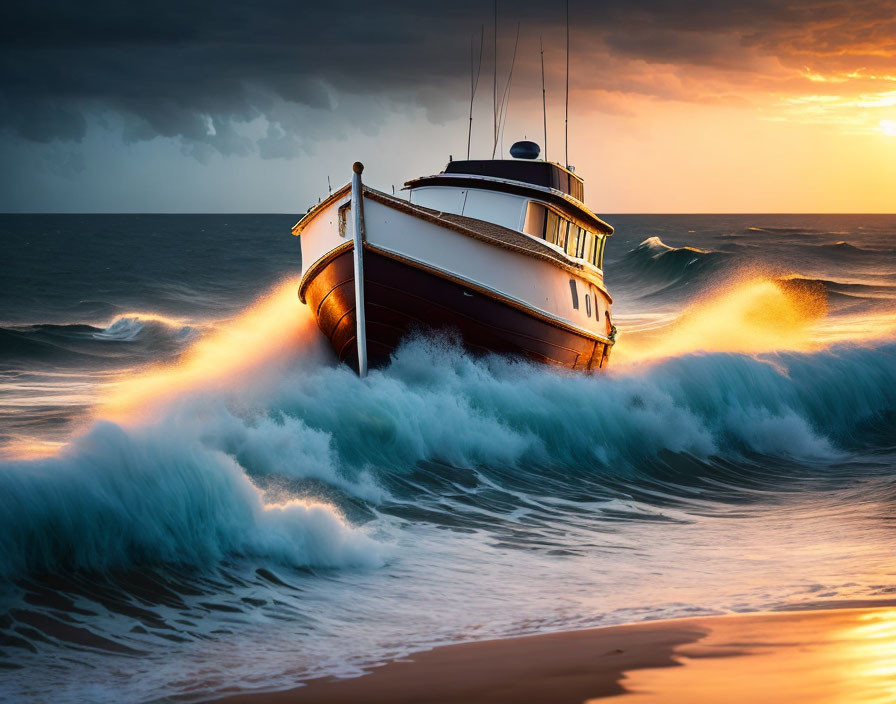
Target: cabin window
534	224
573	242
575	294
588	304
576	241
342	219
565	233
551	227
581	252
597	257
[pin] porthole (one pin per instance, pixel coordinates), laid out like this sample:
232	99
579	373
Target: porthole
588	304
575	294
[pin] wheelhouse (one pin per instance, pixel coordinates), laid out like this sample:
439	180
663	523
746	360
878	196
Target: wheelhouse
538	198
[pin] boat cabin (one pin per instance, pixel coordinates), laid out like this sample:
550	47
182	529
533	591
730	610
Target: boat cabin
538	198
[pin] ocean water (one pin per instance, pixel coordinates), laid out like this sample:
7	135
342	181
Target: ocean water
195	499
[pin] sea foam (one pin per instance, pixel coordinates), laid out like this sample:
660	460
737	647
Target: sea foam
184	473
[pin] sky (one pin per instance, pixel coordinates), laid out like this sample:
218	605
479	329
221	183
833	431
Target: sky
689	106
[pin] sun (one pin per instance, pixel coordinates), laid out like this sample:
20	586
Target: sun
888	127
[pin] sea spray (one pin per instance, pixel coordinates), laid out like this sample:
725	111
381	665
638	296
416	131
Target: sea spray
236	354
437	403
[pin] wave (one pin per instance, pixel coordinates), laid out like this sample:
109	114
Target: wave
114	499
785	231
845	248
146	334
256	444
184	488
135	326
655	272
656	267
841	297
831	286
29	344
436	403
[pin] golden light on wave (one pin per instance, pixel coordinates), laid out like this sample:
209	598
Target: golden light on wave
888	127
275	326
29	448
151	317
759	315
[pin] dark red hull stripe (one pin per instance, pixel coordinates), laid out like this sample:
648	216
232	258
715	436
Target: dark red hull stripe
403	298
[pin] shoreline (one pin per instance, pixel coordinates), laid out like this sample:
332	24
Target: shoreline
814	654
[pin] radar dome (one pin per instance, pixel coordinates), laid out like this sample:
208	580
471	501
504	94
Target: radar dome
525	150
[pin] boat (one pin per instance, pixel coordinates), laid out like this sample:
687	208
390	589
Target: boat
503	253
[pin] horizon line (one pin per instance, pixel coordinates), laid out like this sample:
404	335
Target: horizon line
604	213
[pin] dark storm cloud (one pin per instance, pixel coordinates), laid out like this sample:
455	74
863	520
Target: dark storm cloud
197	71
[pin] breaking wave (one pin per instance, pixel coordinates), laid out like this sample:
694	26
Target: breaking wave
115	499
136	326
214	478
146	335
655	267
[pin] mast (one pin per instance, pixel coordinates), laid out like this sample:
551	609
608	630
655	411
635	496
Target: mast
544	100
358	237
495	82
566	119
502	107
474	83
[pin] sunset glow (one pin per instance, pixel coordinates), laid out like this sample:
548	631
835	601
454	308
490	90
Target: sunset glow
742	109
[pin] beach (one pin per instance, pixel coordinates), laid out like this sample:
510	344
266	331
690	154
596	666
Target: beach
831	655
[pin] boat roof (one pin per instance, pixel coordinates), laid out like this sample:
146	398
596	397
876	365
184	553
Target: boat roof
547	174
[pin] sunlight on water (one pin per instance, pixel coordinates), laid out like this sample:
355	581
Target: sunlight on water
813	658
265	333
876	651
28	448
750	317
859	329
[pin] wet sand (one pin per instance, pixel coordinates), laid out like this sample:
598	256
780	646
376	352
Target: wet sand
825	656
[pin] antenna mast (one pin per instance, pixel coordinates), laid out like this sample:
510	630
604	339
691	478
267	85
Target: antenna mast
495	82
474	83
502	109
566	119
544	100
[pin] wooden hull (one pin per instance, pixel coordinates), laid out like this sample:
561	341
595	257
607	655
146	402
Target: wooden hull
402	296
